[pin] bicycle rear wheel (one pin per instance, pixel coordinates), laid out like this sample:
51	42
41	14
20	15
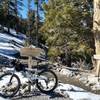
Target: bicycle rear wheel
9	85
47	81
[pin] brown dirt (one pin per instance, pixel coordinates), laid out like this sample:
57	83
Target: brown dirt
76	82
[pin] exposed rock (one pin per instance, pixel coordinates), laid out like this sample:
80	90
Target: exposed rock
58	69
83	79
96	86
84	76
25	90
66	72
23	86
62	92
92	79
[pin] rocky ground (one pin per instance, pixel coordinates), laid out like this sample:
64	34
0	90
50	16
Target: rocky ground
66	75
82	78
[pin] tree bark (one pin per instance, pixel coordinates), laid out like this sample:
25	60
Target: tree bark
96	25
96	29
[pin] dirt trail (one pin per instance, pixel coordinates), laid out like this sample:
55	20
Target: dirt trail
75	82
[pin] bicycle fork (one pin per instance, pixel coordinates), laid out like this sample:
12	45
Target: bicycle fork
9	83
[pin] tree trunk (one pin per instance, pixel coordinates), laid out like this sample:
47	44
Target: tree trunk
96	25
96	28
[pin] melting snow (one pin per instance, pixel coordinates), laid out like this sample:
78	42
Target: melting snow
77	93
7	48
74	92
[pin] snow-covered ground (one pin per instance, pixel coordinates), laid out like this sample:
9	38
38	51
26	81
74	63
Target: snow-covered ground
7	49
11	43
88	79
68	91
76	93
3	98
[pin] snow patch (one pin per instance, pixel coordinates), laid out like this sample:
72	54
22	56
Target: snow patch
77	93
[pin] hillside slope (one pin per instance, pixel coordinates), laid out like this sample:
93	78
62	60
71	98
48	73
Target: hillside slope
10	44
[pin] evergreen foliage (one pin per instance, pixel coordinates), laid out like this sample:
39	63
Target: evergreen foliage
66	30
9	15
34	22
67	27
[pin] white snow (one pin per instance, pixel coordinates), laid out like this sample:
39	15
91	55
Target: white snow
22	78
3	98
7	56
9	37
13	32
8	45
2	83
4	44
77	93
66	72
7	48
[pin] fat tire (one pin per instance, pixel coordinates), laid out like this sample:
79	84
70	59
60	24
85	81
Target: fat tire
17	88
55	85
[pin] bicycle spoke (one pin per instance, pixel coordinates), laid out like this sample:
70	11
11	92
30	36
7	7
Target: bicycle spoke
47	81
9	86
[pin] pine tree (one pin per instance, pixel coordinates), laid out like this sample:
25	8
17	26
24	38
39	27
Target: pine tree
10	11
31	21
96	28
34	21
67	28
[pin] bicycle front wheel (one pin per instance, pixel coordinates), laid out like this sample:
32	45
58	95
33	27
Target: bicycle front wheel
47	81
9	85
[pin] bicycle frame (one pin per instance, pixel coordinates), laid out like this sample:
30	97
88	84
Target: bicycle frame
35	75
30	74
38	78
